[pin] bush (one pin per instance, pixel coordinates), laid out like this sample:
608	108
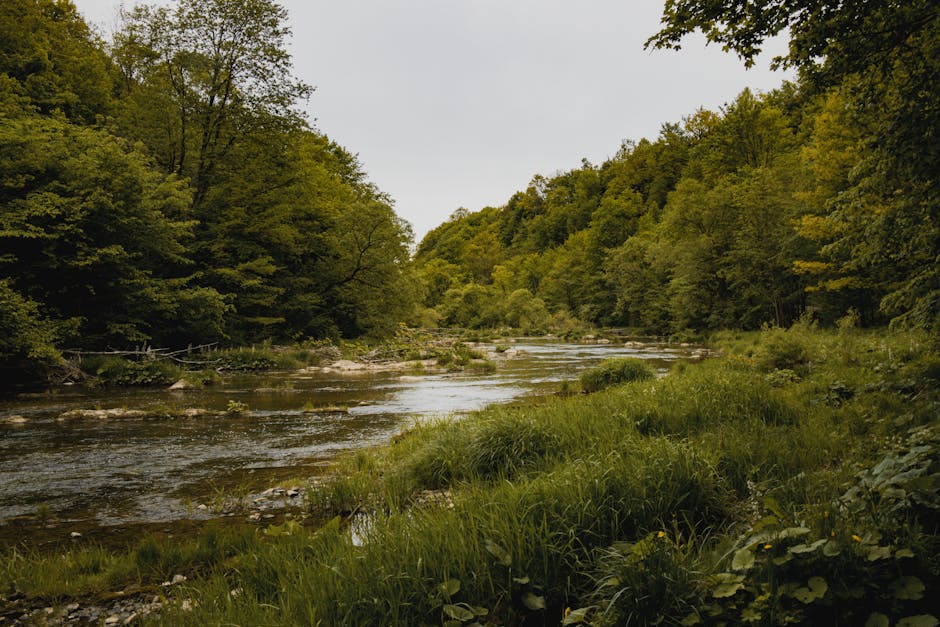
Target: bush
613	371
246	359
784	350
115	371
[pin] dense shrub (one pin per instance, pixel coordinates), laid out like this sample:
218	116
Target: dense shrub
785	350
251	359
613	371
115	371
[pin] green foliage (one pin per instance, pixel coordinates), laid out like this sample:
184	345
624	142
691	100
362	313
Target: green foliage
237	79
168	189
27	341
785	349
805	199
614	371
56	63
787	572
709	242
97	236
738	503
111	371
525	312
657	576
881	58
244	359
905	484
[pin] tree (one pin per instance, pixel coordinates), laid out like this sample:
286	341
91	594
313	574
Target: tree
830	36
472	306
300	242
96	237
437	276
369	284
885	56
204	75
525	312
27	340
640	271
481	254
54	60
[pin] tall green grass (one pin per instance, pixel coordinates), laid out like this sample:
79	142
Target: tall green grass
614	371
90	569
768	486
502	543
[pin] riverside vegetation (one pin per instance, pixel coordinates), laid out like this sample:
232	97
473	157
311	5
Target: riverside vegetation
794	479
165	188
407	348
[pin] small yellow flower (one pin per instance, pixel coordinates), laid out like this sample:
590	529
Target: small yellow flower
826	514
856	538
768	546
833	534
661	534
567	612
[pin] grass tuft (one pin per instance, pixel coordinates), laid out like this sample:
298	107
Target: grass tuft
614	371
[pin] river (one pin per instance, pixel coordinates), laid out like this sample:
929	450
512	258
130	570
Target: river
160	466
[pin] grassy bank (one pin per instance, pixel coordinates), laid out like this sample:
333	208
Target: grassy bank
792	480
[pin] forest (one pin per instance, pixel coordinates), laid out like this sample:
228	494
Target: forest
164	189
818	198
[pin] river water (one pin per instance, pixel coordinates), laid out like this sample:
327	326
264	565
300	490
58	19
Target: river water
160	465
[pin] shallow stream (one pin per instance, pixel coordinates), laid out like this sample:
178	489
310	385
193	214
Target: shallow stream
151	467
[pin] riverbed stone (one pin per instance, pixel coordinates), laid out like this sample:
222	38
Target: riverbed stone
102	414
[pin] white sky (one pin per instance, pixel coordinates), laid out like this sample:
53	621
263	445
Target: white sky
458	103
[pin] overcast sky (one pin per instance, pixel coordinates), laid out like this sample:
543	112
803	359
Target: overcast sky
458	103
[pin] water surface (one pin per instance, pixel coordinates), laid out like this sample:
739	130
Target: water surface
158	468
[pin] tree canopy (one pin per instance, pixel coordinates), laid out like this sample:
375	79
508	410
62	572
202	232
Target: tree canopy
165	188
818	198
884	59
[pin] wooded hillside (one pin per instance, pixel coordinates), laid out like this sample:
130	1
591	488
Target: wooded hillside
166	188
819	197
